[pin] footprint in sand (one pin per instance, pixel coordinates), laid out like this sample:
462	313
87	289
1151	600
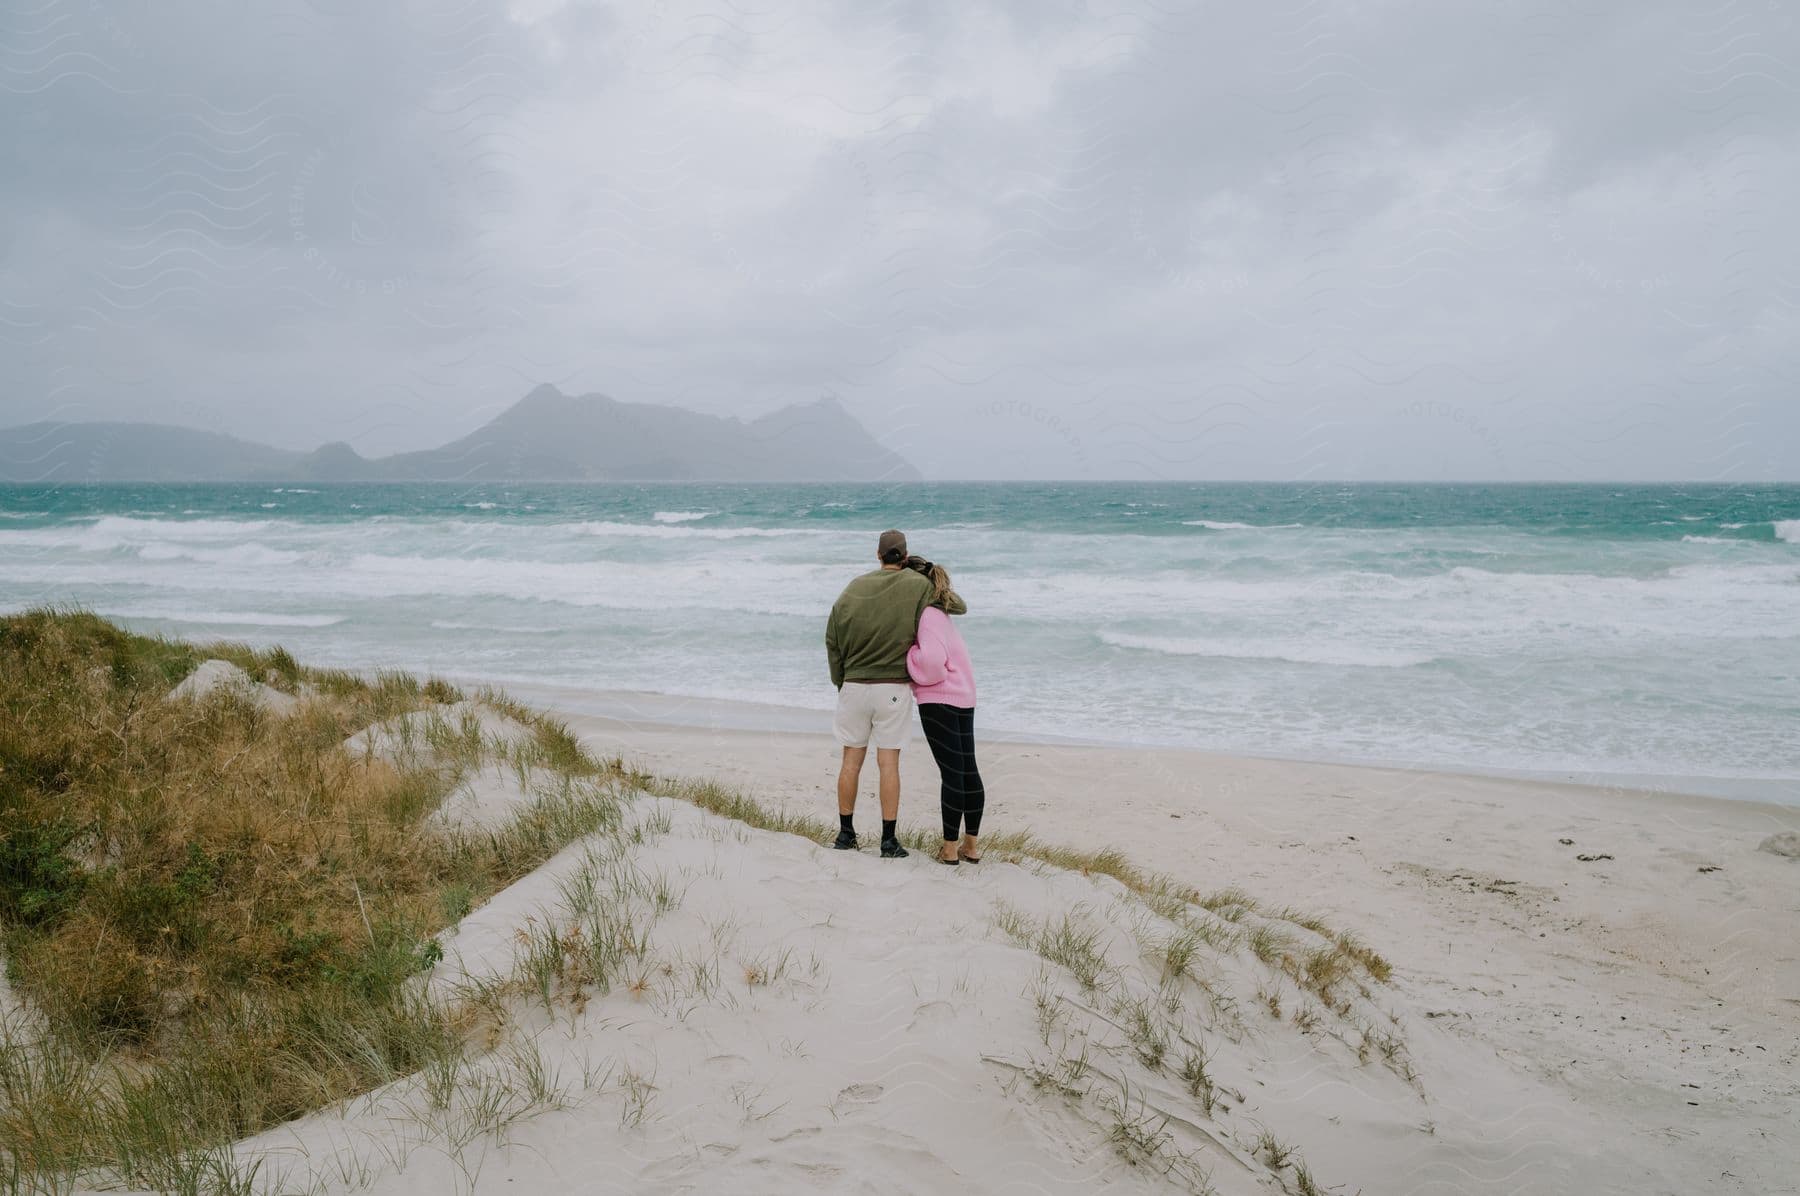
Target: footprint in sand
932	1013
858	1094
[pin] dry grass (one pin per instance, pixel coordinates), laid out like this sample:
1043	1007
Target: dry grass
1071	942
1147	1031
1230	904
1195	1078
216	912
1140	1135
1354	948
1176	953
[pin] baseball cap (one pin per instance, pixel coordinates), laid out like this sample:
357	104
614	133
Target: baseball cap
889	542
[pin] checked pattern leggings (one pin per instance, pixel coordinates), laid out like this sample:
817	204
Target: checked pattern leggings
950	730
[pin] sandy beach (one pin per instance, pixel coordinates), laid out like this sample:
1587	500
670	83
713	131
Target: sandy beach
1655	986
1243	977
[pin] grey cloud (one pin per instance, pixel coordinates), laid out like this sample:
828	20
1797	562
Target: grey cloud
1107	240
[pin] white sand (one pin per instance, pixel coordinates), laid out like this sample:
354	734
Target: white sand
10	1007
892	1050
210	675
1624	1025
1633	986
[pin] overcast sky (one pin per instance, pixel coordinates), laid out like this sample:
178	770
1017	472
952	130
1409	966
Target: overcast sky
1051	238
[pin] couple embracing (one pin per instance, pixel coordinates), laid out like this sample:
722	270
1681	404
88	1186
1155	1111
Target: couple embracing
890	641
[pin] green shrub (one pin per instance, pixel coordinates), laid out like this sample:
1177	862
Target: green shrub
39	876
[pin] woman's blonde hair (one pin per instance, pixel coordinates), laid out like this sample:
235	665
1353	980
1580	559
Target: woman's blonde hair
939	577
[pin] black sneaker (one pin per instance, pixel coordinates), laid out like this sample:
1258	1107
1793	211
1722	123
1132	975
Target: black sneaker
891	850
846	841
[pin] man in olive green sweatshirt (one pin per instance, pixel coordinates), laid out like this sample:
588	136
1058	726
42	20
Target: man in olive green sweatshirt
872	626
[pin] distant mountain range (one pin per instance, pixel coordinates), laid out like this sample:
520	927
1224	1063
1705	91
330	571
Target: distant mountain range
547	436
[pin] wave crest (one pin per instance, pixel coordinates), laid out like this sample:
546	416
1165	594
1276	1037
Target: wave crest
1293	652
1226	525
665	531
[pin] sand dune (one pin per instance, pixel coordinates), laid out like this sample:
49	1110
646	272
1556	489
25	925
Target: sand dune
807	1020
693	1004
1656	992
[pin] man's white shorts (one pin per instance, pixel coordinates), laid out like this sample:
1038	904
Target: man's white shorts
878	714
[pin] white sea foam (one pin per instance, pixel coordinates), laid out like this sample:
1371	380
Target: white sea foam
681	516
222	618
611	585
1294	652
663	531
116	531
1788	530
184	529
251	554
482	506
1225	525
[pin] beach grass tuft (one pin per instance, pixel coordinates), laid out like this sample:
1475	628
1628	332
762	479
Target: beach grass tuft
1272	1151
218	917
1196	1080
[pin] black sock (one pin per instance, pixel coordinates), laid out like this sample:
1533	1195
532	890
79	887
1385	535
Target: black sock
887	829
844	821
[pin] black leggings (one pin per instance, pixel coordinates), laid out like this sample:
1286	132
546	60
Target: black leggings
950	730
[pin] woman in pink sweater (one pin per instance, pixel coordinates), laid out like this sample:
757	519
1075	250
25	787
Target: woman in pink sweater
944	686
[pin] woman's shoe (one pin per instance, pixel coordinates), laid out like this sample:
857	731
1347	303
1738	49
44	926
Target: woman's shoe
954	858
968	857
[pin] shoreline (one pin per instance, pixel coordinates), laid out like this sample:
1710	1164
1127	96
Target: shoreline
702	713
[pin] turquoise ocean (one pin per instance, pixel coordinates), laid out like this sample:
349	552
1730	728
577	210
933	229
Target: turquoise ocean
1596	632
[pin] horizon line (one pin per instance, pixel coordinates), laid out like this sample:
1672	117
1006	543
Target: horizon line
1319	482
